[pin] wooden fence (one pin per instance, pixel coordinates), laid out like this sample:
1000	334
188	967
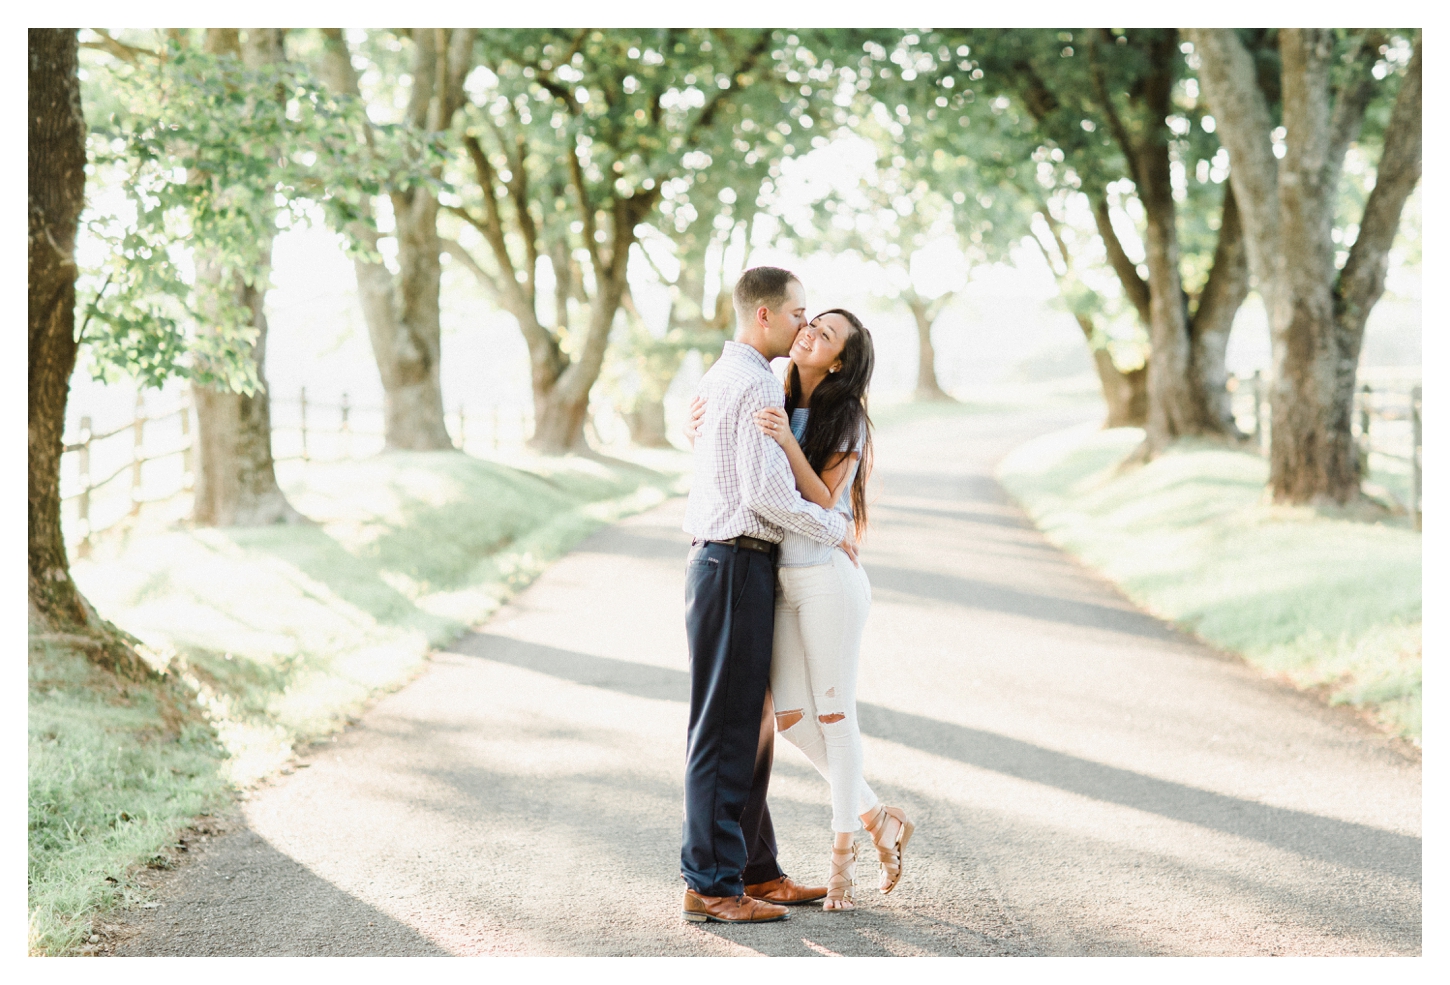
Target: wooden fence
1387	427
166	437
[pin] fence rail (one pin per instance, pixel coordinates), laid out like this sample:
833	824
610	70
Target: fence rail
1387	424
498	425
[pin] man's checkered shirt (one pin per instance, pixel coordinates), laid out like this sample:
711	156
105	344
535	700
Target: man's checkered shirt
743	484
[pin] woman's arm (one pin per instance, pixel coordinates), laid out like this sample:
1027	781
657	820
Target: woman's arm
823	489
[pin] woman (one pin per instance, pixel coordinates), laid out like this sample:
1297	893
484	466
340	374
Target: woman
822	598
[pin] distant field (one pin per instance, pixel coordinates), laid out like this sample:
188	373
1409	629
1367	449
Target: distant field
1328	600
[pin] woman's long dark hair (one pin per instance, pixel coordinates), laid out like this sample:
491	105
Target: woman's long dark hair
839	415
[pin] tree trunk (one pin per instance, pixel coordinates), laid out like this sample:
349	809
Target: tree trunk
561	409
1362	281
408	347
1316	315
646	422
56	197
1126	394
1186	374
1307	459
927	387
657	363
1228	285
402	313
236	483
1171	405
1312	454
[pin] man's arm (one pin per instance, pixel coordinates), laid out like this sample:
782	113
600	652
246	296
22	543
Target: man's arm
767	485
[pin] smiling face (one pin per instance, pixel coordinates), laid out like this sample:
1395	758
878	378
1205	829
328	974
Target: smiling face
784	323
818	346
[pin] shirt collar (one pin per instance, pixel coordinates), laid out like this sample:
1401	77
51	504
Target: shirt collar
743	351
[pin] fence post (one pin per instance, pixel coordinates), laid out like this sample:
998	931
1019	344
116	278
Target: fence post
1366	394
462	430
1415	454
1259	411
187	476
346	431
83	549
136	452
302	402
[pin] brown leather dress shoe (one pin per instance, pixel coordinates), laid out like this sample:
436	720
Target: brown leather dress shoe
785	891
730	909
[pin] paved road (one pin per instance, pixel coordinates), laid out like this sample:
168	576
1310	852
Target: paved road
1084	780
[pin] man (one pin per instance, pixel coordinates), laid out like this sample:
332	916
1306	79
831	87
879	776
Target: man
742	499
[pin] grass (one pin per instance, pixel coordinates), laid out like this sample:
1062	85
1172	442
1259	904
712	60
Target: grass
114	775
1326	599
276	637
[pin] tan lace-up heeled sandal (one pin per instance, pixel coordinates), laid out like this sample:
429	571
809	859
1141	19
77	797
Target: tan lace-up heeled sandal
840	885
890	831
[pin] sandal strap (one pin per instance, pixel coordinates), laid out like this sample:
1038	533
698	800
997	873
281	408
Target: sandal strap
888	852
841	882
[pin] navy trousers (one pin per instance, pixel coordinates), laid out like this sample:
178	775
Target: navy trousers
728	840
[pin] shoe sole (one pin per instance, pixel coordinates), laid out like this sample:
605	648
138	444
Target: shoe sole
695	917
795	902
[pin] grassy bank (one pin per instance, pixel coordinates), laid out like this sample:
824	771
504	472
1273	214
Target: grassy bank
277	636
1328	600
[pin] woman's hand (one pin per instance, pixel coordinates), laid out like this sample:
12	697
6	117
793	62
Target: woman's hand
693	419
774	422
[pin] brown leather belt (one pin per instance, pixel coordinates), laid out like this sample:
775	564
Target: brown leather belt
749	543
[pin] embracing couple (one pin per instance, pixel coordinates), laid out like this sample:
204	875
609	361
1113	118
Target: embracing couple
776	601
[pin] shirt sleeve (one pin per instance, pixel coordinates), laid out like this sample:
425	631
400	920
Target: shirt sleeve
767	485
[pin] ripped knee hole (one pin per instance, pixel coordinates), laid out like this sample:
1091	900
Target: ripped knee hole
832	719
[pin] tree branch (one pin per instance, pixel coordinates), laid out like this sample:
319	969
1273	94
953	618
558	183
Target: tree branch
339	75
1230	84
936	307
1228	280
586	209
492	225
1362	280
460	63
707	114
518	186
1083	318
125	52
1349	106
455	250
1055	228
559	90
1115	122
1134	286
425	71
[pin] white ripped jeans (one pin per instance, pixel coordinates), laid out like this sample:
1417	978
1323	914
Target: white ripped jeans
820	613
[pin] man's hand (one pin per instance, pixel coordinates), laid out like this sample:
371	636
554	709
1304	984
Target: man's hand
692	420
848	544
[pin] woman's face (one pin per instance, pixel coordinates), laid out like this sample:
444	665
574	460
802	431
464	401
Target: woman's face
818	346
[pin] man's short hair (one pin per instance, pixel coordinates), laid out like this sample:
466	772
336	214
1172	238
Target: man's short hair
761	286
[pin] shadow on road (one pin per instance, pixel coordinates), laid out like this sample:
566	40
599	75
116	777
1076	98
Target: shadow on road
974	594
307	915
969	516
1337	842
